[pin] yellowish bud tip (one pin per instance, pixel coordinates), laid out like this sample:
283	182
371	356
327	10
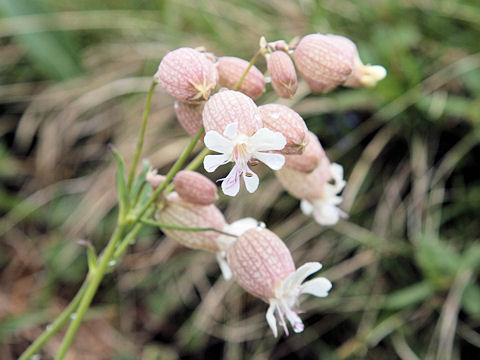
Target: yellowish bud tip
372	74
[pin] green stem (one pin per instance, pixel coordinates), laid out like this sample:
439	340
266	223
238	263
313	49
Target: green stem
175	168
250	64
183	228
96	278
146	113
127	241
55	326
191	166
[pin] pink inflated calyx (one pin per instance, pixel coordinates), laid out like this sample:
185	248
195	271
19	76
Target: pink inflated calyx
310	158
195	188
262	264
282	73
189	116
259	259
281	118
324	61
227	107
187	74
231	69
180	212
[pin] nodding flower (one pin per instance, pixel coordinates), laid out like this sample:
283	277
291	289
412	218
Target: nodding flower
262	264
319	190
234	129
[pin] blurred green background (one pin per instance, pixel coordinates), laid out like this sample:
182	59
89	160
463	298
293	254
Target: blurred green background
73	78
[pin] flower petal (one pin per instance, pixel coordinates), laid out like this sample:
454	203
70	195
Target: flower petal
293	281
306	207
211	162
265	139
294	320
222	263
273	161
271	320
251	180
216	142
231	184
337	175
325	213
318	287
231	130
240	226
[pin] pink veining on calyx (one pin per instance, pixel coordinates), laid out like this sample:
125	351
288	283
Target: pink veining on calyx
230	70
281	118
282	73
195	187
187	74
259	259
324	61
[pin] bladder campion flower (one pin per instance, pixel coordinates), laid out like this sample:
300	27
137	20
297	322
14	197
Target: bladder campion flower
263	266
234	129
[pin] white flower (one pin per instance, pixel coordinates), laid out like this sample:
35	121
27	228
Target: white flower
236	228
287	293
241	149
324	208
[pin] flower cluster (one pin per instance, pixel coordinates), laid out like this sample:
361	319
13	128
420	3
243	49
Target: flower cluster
217	95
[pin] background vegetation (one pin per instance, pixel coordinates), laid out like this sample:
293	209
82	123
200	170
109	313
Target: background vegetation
73	78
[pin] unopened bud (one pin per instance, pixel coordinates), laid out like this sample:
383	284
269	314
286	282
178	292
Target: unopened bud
187	75
310	158
189	116
282	72
228	107
195	188
259	260
154	178
231	69
281	118
183	213
324	61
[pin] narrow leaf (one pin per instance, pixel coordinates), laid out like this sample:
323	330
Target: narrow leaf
123	199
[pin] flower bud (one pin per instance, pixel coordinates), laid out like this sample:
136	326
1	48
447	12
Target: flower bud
195	188
187	75
258	260
263	266
189	116
310	158
281	118
231	69
154	178
283	75
228	107
324	61
178	211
